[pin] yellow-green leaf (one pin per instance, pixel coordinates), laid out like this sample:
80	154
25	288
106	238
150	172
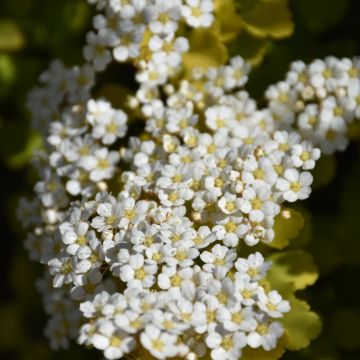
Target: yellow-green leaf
11	37
301	324
291	270
227	19
269	18
206	49
287	226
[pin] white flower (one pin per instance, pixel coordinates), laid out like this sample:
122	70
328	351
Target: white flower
304	155
198	13
159	344
229	203
163	16
220	260
172	277
237	318
225	345
128	46
63	269
137	273
219	116
110	127
256	202
101	164
272	303
266	334
294	185
96	52
254	267
115	343
168	50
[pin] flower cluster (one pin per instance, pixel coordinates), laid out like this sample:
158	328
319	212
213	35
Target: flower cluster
142	235
145	32
320	100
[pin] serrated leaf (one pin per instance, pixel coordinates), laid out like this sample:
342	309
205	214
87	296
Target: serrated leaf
228	21
206	50
291	270
287	226
269	18
301	324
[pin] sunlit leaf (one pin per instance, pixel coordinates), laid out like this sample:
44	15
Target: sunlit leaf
287	226
206	49
291	270
227	19
269	18
301	324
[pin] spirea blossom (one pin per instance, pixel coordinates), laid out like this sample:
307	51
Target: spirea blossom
141	239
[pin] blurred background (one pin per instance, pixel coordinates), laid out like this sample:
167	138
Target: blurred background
33	32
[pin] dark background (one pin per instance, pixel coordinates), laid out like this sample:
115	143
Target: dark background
33	32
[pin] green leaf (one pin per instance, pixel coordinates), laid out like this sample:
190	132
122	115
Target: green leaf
11	37
269	18
291	270
301	324
287	226
206	49
227	20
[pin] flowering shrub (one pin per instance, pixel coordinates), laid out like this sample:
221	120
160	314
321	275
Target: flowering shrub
154	221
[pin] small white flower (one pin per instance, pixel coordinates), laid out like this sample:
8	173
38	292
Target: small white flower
159	344
254	268
266	334
225	345
137	273
294	185
198	13
272	303
304	155
220	260
115	343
